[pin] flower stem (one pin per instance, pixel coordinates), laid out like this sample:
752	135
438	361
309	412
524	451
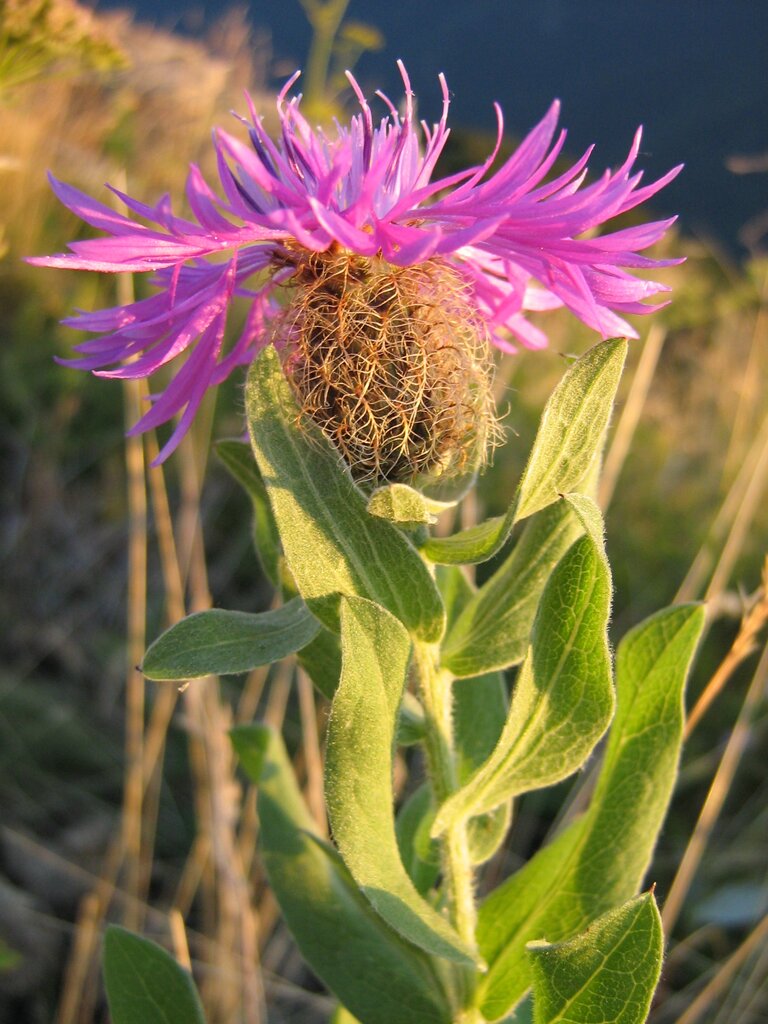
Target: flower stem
436	691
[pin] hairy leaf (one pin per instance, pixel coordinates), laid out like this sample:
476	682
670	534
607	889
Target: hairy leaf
219	642
608	973
332	545
563	698
374	972
358	777
237	456
569	439
419	853
494	628
600	860
402	504
145	985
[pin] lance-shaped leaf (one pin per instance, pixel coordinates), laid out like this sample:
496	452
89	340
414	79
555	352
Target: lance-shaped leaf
572	428
569	439
239	460
608	973
219	642
377	974
332	545
358	775
494	628
563	698
321	660
600	860
145	985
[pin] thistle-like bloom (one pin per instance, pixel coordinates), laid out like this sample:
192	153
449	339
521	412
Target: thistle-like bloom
313	214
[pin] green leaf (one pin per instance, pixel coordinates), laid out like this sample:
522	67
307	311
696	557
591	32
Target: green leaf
590	517
563	698
358	775
332	545
321	660
572	428
601	858
455	590
569	439
145	985
480	711
378	976
475	544
419	853
238	458
494	628
9	957
343	1016
402	504
411	726
219	642
607	974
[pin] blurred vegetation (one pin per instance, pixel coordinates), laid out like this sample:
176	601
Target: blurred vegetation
132	104
40	36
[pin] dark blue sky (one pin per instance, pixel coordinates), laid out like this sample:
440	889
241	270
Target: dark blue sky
693	72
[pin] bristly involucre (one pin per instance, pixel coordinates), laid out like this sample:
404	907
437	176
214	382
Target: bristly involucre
502	244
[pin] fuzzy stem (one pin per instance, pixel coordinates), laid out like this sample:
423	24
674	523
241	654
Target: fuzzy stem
436	691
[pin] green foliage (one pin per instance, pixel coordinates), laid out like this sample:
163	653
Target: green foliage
494	628
145	985
494	632
607	974
219	642
9	958
569	440
332	545
321	660
419	853
239	460
572	428
480	711
563	698
376	973
35	35
358	775
402	504
600	859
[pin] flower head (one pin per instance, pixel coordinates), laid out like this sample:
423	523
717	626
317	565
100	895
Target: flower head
315	214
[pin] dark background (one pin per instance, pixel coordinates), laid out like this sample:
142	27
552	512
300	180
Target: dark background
693	72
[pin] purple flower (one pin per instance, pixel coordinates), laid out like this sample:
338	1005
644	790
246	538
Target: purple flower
516	240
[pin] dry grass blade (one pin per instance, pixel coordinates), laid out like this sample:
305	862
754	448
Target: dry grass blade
741	648
313	758
179	939
724	975
630	416
751	386
718	791
133	795
734	516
